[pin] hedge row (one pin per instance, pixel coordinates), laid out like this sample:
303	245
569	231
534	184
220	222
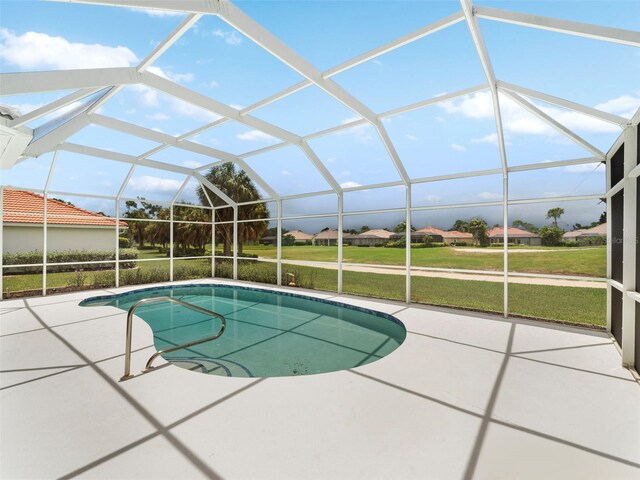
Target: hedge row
69	256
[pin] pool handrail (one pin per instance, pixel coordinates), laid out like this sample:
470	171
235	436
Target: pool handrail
127	354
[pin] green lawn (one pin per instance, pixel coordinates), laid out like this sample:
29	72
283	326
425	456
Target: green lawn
570	304
557	260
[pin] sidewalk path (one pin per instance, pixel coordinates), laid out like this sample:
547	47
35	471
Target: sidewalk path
521	278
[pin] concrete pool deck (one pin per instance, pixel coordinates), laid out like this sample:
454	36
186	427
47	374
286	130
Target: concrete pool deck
466	396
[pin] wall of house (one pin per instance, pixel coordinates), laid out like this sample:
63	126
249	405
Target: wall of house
24	238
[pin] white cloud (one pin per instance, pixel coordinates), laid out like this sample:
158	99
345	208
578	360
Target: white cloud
361	133
39	50
130	111
169	75
212	84
192	164
440	119
479	106
285	172
158	116
411	137
350	184
625	105
189	110
376	61
432	198
489	196
459	148
231	37
491	139
157	13
583	168
345	173
148	183
254	135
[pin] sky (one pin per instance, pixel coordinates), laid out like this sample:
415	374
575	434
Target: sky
455	136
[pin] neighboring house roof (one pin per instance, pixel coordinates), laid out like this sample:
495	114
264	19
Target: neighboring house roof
330	234
597	231
514	232
19	206
300	235
445	233
378	232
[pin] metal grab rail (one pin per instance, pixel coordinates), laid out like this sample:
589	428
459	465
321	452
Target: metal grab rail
127	354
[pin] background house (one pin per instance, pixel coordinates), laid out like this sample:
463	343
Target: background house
514	235
589	236
370	238
68	227
299	236
327	238
447	236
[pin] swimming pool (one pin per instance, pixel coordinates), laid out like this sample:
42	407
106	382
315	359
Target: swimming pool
268	333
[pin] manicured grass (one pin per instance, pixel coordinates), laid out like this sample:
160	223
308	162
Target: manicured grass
589	261
571	304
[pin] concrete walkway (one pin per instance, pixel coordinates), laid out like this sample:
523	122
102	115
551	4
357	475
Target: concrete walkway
521	278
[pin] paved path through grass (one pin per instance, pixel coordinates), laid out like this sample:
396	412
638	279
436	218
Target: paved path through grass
422	272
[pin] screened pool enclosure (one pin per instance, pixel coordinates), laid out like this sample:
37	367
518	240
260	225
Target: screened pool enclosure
450	112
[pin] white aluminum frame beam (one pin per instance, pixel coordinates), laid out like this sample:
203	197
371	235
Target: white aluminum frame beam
53	106
187	6
531	108
561	102
262	37
483	55
178	91
49	141
35	82
597	32
170	141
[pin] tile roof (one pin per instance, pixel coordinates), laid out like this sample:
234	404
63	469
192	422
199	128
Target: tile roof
300	235
511	232
378	232
597	231
445	233
19	206
330	234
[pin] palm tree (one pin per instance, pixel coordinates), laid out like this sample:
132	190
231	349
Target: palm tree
555	213
237	185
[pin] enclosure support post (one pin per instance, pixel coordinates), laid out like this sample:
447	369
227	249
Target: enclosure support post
117	256
279	244
408	246
45	250
629	246
213	241
609	237
505	239
235	242
171	243
1	244
340	240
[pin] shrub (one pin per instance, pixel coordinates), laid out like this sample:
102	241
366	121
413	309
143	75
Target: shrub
189	271
363	245
69	256
137	276
400	243
123	242
104	279
570	243
460	244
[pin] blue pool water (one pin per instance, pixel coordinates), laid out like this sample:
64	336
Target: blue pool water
268	333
